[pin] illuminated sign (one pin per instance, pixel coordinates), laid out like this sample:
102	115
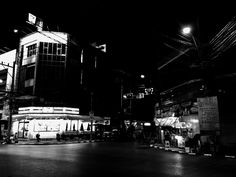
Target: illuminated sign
53	110
47	126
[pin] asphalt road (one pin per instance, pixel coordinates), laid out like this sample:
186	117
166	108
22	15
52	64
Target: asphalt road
107	159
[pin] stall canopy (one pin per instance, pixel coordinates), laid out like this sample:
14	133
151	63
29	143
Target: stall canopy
168	121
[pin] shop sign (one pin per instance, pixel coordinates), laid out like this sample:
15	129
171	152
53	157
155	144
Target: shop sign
208	113
47	126
168	121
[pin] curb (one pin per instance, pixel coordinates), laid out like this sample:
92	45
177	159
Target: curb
230	156
182	151
56	143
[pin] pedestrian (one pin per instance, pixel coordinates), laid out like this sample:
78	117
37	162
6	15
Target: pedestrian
38	137
196	143
16	138
167	138
58	137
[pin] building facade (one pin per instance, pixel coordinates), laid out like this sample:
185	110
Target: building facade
42	65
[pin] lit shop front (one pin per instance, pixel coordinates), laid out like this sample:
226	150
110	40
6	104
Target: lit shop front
180	122
49	121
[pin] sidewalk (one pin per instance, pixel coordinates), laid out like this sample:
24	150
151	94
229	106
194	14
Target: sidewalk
183	151
52	142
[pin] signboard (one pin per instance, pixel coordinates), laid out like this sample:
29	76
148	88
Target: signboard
168	121
33	20
53	110
208	113
47	126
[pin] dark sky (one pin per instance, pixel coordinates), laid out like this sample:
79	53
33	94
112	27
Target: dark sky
133	30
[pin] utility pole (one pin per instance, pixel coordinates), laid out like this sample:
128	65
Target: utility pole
10	101
91	114
10	97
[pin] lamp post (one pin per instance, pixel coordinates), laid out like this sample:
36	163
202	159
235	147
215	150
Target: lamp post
91	115
187	31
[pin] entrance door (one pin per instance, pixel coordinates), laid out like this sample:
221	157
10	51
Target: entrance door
23	129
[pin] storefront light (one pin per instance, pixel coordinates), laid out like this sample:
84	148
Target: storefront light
147	124
194	120
178	137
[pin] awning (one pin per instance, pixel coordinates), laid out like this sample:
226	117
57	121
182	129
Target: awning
55	116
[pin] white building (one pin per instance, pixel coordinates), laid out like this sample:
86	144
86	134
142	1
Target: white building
48	121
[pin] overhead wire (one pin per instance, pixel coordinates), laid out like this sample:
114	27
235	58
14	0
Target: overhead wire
224	40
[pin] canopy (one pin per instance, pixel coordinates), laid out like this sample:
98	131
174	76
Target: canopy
55	116
168	121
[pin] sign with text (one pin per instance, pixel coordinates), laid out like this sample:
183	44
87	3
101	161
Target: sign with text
208	113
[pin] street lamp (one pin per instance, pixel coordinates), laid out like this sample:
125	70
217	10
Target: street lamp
142	76
187	31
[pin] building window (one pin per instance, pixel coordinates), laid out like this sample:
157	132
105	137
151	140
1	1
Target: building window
31	50
30	72
52	48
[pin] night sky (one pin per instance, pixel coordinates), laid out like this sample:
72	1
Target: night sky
135	31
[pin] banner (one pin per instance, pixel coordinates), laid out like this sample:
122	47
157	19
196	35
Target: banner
208	113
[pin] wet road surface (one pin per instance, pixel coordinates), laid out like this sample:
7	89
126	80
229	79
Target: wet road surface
107	159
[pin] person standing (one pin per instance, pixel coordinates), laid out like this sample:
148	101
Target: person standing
38	137
16	138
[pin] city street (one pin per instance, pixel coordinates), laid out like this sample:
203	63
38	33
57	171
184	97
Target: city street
107	159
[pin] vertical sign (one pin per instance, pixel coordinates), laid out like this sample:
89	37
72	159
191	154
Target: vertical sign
208	113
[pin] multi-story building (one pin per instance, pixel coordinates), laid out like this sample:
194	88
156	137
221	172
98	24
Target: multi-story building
53	73
42	66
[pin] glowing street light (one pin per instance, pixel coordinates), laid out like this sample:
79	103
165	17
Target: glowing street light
142	76
15	30
186	30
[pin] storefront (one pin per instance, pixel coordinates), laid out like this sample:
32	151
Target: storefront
180	122
49	121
